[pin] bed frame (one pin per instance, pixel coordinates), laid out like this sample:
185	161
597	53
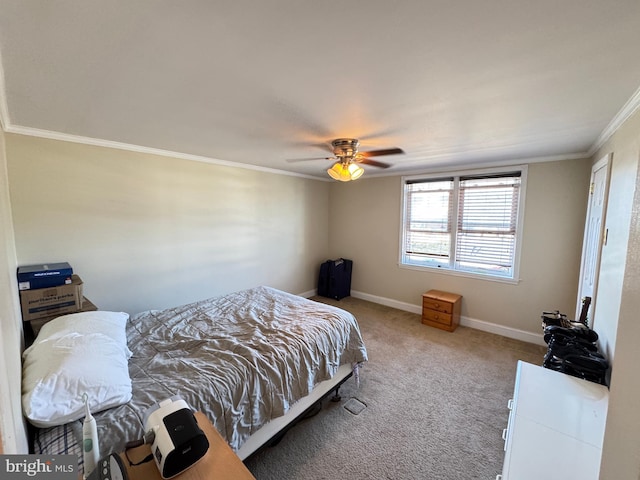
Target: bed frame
271	433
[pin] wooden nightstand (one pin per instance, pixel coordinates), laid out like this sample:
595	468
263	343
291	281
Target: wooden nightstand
219	463
441	309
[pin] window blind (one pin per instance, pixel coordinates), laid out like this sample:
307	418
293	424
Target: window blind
429	211
466	223
487	221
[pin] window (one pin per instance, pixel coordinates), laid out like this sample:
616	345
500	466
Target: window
468	223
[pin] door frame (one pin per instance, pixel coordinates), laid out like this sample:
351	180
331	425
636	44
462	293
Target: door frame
604	162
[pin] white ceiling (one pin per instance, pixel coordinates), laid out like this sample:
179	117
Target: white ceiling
452	82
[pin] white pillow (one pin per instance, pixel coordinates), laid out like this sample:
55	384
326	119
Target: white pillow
111	324
72	355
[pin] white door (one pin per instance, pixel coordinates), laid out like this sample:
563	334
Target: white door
594	235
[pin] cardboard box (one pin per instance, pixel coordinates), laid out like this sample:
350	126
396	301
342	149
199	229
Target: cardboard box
44	275
45	302
36	325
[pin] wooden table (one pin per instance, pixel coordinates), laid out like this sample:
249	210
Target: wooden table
219	463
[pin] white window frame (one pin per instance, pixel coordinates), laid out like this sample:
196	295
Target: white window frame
444	268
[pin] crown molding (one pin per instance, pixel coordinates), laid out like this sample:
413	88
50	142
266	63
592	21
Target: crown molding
452	166
628	109
64	137
441	166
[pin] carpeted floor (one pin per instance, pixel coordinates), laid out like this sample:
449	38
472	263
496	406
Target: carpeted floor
431	405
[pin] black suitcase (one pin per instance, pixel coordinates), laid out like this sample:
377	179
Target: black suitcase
335	278
323	279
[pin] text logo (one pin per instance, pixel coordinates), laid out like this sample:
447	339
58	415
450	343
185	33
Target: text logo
49	467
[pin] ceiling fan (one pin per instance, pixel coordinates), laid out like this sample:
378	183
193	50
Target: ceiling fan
347	156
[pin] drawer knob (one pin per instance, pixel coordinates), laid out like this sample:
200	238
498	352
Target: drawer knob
437	305
436	317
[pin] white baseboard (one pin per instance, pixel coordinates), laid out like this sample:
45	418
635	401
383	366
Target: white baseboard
308	293
508	332
389	302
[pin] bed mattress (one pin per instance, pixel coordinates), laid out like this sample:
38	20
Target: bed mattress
242	359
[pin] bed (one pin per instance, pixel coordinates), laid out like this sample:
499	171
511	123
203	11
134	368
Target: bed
252	361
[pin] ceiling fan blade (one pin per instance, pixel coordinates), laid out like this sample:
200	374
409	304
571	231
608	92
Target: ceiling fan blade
293	160
378	153
373	163
323	146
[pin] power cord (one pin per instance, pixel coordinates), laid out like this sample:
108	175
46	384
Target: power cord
147	439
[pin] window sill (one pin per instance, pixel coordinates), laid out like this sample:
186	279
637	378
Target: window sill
457	273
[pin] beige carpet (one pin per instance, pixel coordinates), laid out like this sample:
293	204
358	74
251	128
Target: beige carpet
431	405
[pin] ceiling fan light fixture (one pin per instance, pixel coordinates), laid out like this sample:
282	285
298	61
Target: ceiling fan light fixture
356	171
345	172
347	168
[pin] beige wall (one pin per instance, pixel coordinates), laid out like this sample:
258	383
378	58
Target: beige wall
147	231
144	232
12	429
616	317
365	225
624	149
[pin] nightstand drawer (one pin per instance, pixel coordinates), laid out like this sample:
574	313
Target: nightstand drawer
438	305
441	309
436	316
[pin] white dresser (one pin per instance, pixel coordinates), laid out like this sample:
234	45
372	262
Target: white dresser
556	426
